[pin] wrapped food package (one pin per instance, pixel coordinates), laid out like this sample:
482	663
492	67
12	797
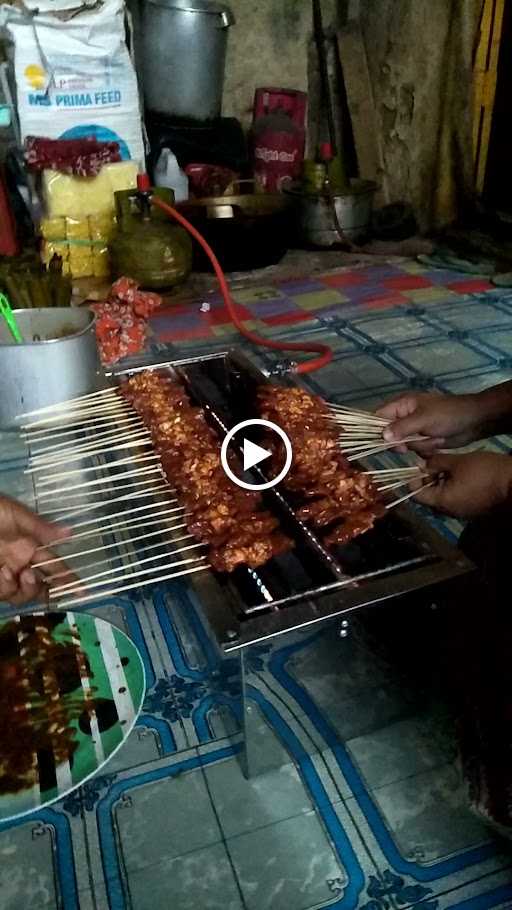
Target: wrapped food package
53	229
82	244
79	197
101	262
81	261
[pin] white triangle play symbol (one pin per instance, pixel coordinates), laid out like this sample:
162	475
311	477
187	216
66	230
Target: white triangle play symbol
253	454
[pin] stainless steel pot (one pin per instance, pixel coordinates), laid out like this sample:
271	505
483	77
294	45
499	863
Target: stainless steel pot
315	216
183	47
57	361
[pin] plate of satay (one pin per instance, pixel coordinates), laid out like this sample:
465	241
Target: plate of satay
72	687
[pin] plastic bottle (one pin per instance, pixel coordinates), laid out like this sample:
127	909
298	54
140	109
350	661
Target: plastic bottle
169	174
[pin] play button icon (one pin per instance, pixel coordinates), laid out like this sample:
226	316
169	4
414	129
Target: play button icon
254	454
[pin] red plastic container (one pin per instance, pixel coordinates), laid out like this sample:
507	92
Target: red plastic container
278	137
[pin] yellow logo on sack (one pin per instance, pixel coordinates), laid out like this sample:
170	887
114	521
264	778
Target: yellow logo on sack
35	76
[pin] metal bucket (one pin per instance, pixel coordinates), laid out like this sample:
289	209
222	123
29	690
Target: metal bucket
315	216
182	48
57	361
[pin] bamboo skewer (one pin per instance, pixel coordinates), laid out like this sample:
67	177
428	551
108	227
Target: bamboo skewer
63	404
100	467
80	456
67	589
64	514
390	471
103	481
87	439
94	425
89	521
88	450
109	559
400	483
71	585
117	407
355	453
111	546
413	493
148	485
78	426
125	526
130	587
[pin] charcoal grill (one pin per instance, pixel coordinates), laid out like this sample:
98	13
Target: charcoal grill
311	584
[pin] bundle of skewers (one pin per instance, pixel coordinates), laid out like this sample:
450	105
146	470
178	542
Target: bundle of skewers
157	471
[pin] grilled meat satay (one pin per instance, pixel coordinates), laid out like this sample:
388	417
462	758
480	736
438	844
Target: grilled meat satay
254	554
230	520
355	525
333	489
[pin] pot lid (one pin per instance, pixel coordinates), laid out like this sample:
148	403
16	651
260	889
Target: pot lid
216	7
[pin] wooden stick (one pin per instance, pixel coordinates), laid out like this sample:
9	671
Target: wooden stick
364	453
103	481
71	512
79	426
106	594
108	561
425	486
125	526
100	467
148	485
85	447
399	483
110	409
90	521
73	587
70	455
133	565
384	471
82	456
111	546
88	437
63	404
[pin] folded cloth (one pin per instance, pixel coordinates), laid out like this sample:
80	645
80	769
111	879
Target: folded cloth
80	157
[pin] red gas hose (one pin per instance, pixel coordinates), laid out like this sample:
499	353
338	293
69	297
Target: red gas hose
314	364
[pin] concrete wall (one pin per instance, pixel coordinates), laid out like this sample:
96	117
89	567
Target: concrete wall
269	46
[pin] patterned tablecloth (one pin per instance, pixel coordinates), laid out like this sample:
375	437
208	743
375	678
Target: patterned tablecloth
367	810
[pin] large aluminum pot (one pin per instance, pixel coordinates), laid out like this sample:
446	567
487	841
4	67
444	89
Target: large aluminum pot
182	48
57	361
315	217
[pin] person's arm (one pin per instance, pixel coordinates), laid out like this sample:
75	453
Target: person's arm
449	421
23	539
472	485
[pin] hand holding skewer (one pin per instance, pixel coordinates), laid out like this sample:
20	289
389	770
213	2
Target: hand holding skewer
22	535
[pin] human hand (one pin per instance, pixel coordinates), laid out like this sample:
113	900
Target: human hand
23	537
449	421
470	485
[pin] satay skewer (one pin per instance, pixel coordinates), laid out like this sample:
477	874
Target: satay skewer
108	561
129	587
64	514
152	471
92	581
103	433
99	467
124	526
141	443
119	543
101	393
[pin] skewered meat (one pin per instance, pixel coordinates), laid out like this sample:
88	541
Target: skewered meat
230	520
336	494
